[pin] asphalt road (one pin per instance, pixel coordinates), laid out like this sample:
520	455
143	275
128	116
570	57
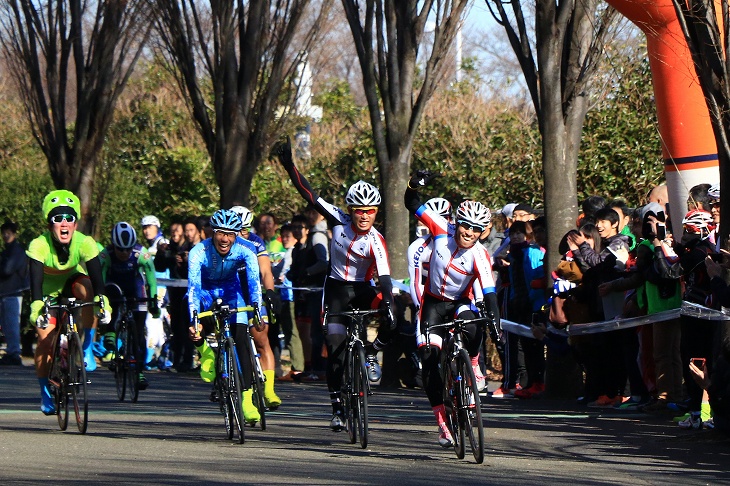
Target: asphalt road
174	435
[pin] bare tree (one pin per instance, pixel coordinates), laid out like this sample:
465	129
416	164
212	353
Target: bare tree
388	35
248	52
708	41
71	61
569	38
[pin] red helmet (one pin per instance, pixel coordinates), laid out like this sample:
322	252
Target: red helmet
699	222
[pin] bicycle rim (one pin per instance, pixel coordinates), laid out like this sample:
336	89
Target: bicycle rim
470	408
221	390
235	390
258	388
451	386
348	395
77	381
360	396
59	376
133	361
120	367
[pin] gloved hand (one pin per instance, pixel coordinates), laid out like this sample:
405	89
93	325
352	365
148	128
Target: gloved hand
482	306
36	307
421	179
283	150
155	309
390	315
274	299
105	311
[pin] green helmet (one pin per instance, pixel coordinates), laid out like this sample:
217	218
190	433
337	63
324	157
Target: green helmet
60	198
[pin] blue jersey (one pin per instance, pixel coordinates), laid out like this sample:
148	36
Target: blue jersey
212	276
259	244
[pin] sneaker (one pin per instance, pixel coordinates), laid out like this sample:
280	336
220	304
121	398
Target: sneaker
11	360
445	439
250	413
532	392
374	372
311	377
692	422
631	403
143	383
709	424
481	380
48	405
680	418
107	358
503	392
656	405
604	401
337	424
89	360
677	406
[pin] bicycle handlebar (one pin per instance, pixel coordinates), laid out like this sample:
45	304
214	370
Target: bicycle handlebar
355	313
64	304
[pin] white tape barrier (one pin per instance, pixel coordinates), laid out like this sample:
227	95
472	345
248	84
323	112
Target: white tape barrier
687	309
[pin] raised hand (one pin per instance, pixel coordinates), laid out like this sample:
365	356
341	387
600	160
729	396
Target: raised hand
283	151
421	178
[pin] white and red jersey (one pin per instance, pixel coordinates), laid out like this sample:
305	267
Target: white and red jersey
454	270
354	256
419	254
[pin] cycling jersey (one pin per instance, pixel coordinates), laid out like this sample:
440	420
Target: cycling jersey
133	274
419	254
212	276
259	245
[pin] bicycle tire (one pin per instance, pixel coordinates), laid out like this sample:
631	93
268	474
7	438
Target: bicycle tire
57	377
347	394
133	361
360	394
120	357
77	381
221	390
258	385
470	413
450	391
234	390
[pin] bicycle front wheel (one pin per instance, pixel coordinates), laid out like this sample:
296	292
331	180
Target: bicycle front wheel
120	358
58	377
360	386
77	381
133	362
235	391
451	392
348	393
470	412
258	385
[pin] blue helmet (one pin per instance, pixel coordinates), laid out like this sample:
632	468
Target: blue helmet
227	220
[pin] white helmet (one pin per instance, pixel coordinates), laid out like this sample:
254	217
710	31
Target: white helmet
699	222
473	213
362	194
150	221
123	236
245	215
439	205
714	191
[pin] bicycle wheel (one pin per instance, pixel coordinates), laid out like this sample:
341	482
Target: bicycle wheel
57	377
133	361
120	358
235	391
77	381
348	394
470	413
221	390
451	384
258	385
360	394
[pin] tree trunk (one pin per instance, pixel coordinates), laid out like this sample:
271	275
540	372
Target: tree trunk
394	179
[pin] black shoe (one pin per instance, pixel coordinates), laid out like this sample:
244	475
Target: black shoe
8	360
143	383
337	424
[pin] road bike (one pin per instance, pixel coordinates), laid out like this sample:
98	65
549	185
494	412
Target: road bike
460	392
126	364
67	375
228	384
355	382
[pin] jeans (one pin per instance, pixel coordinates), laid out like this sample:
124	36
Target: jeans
10	322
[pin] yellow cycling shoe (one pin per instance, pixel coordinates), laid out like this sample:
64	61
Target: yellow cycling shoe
250	413
207	362
271	399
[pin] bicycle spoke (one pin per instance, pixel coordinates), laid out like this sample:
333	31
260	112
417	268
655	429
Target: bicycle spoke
235	389
360	385
120	367
470	408
349	402
133	362
77	381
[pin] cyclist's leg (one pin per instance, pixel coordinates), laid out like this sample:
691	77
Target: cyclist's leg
207	355
337	297
266	356
366	297
79	286
250	412
473	336
43	351
140	347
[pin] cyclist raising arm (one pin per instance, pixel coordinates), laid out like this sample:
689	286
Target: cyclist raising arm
123	263
215	267
357	250
56	270
456	262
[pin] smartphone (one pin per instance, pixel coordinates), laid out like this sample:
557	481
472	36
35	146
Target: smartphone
717	257
698	362
661	231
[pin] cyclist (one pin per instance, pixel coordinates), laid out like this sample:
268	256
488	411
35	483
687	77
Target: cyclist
215	268
457	261
129	265
261	337
357	250
56	270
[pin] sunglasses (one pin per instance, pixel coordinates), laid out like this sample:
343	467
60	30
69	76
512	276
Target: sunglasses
123	250
470	226
368	211
230	234
60	218
715	204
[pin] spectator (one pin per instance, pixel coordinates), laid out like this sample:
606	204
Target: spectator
589	207
13	280
523	212
698	197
